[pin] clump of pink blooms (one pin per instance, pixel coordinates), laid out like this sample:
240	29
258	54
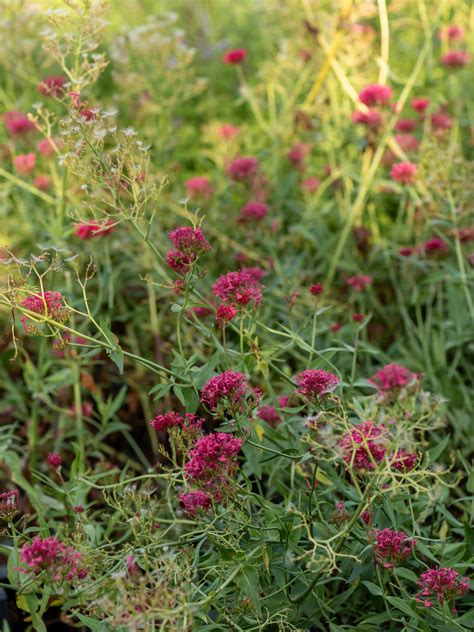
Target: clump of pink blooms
239	288
24	163
46	147
393	378
166	421
375	95
452	32
234	56
52	86
404	172
371	118
404	461
314	384
253	210
225	392
455	59
359	282
298	154
406	125
54	460
89	230
9	504
189	244
391	547
225	314
48	304
365	446
316	289
199	186
53	558
242	168
42	182
213	460
436	246
340	515
195	501
420	104
441	584
269	414
441	121
18	123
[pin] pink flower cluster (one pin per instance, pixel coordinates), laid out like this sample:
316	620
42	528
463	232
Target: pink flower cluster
313	384
195	501
393	378
45	304
225	392
365	446
360	282
89	230
242	168
18	123
234	56
52	86
165	421
391	547
198	187
404	461
9	504
404	172
441	584
190	243
49	555
269	414
213	460
253	211
225	314
240	287
372	96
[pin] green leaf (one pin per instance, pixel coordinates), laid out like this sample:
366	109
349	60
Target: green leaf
373	588
402	605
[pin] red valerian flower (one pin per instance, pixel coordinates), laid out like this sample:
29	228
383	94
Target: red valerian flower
228	132
25	163
404	461
406	125
464	234
393	377
240	288
89	230
54	459
340	515
436	245
313	384
441	584
253	210
225	314
406	251
359	282
9	505
358	318
179	261
46	147
375	94
199	186
242	168
196	501
50	556
269	414
235	56
407	142
420	104
371	118
213	459
391	547
46	304
455	59
225	392
18	123
189	240
335	327
316	289
163	422
451	33
404	172
297	155
310	185
441	121
364	446
42	182
52	86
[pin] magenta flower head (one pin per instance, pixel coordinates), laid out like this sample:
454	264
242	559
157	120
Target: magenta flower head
375	94
253	210
242	168
406	125
441	584
52	557
166	421
9	505
391	547
297	155
235	56
226	392
403	461
404	172
196	501
364	447
314	384
24	163
55	460
360	282
213	460
90	230
435	246
48	304
371	118
189	240
52	86
240	288
199	186
393	379
451	33
407	142
18	123
441	121
225	314
310	185
420	104
455	59
316	289
179	261
269	414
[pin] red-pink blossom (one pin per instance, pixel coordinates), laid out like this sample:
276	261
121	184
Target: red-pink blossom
54	459
165	421
42	182
179	261
391	547
441	121
199	186
225	314
253	210
359	282
195	501
189	240
235	56
52	86
90	230
9	504
228	132
404	172
407	142
435	246
52	557
406	125
213	459
404	461
297	155
17	123
46	147
393	377
406	251
225	392
364	446
420	104
441	584
242	168
313	384
269	414
310	185
451	33
455	59
46	304
240	288
371	118
375	94
357	317
316	289
25	163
